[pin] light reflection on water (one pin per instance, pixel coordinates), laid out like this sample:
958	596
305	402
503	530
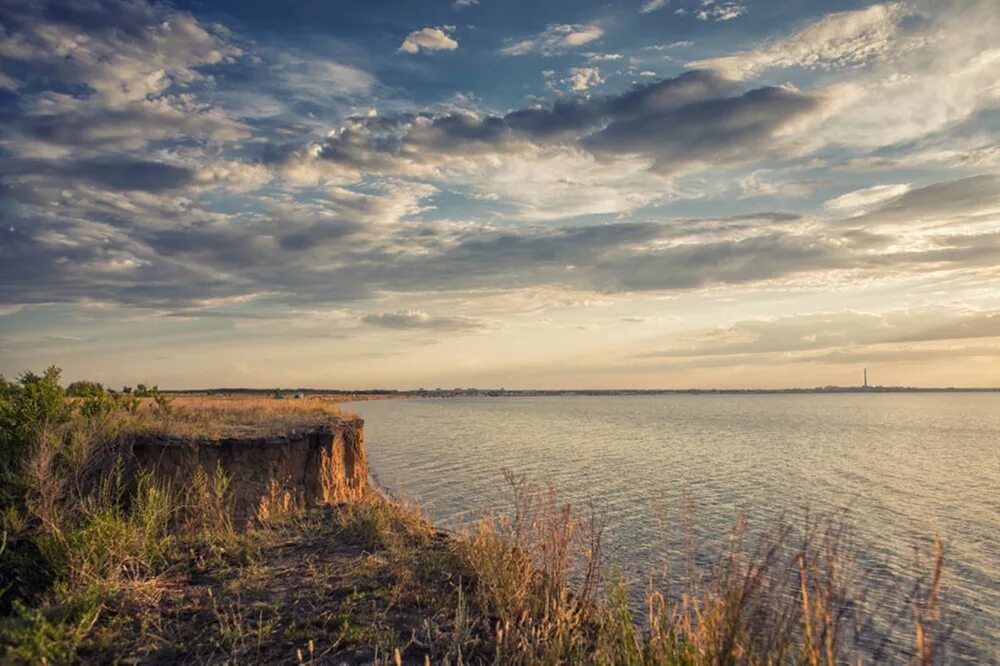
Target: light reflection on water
906	467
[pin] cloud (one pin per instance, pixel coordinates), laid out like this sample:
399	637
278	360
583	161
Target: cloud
714	10
683	122
239	171
419	320
462	4
555	39
582	78
352	246
429	39
107	77
124	52
941	203
319	78
652	6
117	174
862	200
939	74
849	333
757	183
720	130
603	57
838	40
666	47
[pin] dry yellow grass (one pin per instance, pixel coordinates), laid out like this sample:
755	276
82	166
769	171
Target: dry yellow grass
217	417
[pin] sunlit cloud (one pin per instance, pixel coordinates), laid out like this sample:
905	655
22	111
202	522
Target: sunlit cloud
429	39
556	39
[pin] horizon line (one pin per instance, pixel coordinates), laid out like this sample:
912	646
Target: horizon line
871	388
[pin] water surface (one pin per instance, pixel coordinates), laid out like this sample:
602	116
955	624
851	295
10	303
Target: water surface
906	468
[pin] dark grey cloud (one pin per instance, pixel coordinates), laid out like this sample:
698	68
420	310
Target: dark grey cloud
609	258
942	200
564	119
318	233
576	116
695	117
126	17
112	173
730	129
721	262
85	125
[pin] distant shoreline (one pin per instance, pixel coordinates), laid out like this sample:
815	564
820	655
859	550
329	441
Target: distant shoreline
379	394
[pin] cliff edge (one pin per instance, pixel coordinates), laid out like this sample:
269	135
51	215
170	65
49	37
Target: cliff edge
309	466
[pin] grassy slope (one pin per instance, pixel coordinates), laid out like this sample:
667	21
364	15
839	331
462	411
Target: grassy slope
341	584
162	576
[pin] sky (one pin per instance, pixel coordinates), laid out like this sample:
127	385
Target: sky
500	193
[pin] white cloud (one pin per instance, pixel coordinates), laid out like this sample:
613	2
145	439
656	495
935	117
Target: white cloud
863	200
720	10
555	39
599	57
461	4
758	184
231	175
134	86
672	45
838	40
652	6
430	39
561	182
126	66
944	73
581	78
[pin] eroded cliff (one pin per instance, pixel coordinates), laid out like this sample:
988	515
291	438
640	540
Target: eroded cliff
324	464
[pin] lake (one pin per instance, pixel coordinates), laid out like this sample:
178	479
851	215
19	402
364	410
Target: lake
905	467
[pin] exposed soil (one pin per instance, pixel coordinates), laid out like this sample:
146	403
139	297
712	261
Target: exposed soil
327	588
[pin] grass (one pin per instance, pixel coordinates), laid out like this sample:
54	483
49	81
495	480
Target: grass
217	417
97	570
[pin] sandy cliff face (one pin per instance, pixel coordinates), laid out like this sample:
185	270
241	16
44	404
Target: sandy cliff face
321	465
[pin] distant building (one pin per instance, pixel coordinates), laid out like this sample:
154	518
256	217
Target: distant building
300	395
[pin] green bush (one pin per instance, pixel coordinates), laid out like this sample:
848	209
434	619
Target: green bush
40	636
84	389
32	407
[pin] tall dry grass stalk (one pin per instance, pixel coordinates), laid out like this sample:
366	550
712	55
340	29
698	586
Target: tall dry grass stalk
783	596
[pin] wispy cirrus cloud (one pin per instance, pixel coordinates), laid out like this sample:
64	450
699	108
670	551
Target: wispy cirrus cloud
837	40
555	39
858	201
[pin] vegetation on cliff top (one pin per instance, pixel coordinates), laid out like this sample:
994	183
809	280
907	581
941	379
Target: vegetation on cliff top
96	569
